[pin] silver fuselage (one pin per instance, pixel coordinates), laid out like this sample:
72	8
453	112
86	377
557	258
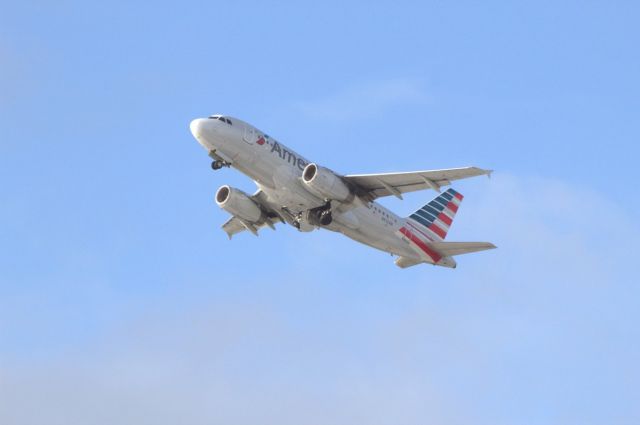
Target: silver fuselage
277	171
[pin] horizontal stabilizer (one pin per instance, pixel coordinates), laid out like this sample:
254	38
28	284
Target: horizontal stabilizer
404	262
449	249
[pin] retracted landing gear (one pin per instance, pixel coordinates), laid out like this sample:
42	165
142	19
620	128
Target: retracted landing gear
321	216
307	220
325	218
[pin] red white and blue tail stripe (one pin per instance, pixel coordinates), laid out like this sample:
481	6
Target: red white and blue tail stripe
431	224
435	218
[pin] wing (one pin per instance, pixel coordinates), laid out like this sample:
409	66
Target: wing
379	185
236	224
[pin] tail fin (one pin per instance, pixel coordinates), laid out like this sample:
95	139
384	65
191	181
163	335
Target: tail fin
437	216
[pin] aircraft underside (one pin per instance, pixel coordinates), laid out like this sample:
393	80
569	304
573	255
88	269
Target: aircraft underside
298	192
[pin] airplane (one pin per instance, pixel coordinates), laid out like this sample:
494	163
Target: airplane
299	192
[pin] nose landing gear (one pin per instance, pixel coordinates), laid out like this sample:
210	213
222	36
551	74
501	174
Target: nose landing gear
217	164
218	161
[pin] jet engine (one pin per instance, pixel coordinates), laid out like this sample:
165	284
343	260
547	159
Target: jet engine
325	183
238	203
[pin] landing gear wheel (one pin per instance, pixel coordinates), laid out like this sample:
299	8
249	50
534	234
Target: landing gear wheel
216	165
326	218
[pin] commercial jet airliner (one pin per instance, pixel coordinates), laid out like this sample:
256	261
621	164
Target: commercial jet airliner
294	190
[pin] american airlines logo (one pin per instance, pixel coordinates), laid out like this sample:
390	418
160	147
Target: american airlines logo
283	152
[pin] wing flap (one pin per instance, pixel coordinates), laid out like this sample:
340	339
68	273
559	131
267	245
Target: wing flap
385	184
233	226
236	225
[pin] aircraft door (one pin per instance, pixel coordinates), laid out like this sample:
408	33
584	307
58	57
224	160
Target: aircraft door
250	135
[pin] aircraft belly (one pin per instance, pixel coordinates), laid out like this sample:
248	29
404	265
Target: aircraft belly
283	186
379	241
372	234
290	192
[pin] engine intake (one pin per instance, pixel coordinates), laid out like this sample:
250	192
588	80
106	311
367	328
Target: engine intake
325	183
238	203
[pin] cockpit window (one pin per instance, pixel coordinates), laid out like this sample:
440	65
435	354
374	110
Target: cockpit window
221	118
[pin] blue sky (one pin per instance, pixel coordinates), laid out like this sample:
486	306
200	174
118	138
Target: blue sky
121	300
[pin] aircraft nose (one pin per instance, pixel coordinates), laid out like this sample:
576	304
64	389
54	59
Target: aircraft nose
197	127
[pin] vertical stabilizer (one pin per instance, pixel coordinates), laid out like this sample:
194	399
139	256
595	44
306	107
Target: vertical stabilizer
436	217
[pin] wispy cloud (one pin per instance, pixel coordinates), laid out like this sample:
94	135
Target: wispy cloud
546	325
363	100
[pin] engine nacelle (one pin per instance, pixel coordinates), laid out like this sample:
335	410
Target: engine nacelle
324	183
238	203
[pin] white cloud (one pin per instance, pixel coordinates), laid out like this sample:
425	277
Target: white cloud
365	100
542	330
